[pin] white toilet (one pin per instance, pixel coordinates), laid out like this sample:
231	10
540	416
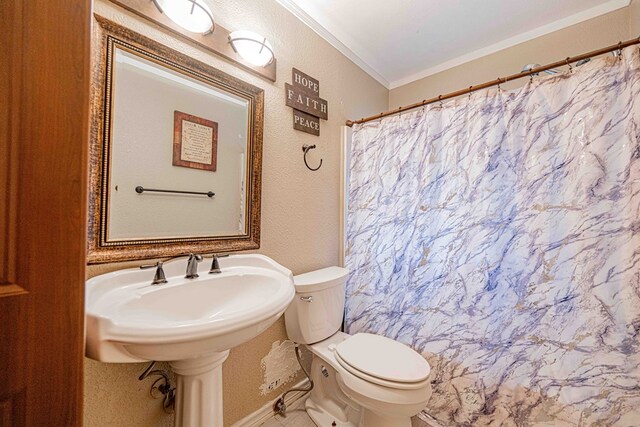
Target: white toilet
360	380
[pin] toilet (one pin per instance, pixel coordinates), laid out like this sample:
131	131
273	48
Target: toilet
361	380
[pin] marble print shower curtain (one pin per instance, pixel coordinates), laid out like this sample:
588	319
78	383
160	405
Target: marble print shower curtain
499	236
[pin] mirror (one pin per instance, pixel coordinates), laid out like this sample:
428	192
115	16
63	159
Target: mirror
176	153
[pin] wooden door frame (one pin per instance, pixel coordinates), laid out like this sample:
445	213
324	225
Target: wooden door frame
44	109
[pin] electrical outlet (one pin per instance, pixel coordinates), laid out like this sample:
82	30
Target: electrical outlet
274	384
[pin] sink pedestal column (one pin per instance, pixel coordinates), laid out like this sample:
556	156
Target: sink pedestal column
199	391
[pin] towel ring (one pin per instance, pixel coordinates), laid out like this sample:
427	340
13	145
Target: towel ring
306	149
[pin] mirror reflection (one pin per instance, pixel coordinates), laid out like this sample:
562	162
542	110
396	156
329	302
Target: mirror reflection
173	134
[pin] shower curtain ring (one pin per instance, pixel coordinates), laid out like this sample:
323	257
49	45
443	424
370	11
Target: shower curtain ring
499	82
470	91
620	50
569	64
440	99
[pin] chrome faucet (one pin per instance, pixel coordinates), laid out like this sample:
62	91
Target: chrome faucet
159	277
192	266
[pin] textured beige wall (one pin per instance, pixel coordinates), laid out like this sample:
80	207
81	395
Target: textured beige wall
634	19
300	208
583	37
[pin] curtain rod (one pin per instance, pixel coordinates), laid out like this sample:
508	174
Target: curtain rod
500	80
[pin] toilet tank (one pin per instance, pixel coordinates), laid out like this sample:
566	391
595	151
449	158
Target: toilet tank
317	309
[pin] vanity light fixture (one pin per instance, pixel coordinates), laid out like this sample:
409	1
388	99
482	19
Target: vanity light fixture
252	47
192	15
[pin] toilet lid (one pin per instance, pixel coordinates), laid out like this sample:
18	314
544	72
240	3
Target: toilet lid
380	357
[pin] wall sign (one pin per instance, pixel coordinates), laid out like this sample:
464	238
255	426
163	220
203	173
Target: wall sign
304	97
306	122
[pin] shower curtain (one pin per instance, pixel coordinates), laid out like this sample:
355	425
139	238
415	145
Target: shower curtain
499	236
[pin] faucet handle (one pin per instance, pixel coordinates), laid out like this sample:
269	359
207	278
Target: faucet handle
215	265
159	277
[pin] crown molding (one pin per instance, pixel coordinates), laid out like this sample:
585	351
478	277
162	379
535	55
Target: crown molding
303	16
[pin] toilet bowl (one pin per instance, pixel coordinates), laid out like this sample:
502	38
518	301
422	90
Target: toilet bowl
361	380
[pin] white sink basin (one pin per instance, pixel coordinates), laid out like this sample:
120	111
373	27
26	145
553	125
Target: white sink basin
130	320
191	323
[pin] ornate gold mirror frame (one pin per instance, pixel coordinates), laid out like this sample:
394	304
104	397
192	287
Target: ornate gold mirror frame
108	34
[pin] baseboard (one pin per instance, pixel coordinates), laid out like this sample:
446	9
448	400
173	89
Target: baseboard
265	413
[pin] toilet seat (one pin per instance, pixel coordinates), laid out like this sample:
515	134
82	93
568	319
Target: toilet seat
368	357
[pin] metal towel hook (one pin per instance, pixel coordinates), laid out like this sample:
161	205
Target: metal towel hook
306	149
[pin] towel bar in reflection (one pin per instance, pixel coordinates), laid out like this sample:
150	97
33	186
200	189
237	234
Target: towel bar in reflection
140	189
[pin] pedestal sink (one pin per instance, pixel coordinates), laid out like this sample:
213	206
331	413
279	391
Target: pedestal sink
192	323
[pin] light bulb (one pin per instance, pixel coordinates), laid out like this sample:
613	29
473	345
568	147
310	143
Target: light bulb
192	15
252	47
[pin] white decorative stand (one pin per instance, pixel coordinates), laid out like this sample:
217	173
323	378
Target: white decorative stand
199	391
